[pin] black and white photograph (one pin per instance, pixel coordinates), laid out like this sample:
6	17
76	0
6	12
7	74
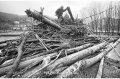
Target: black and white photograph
59	39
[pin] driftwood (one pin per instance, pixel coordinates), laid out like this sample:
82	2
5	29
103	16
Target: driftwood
70	59
3	45
41	42
99	73
17	61
27	53
76	49
45	20
1	42
46	61
7	63
82	64
69	51
23	64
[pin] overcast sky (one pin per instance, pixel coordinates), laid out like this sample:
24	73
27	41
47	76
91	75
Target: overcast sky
77	6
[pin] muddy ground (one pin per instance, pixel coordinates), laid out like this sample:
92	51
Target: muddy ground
111	69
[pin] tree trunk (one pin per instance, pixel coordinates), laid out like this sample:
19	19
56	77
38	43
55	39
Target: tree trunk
70	59
41	42
43	18
69	51
82	64
23	64
45	62
38	55
100	69
17	61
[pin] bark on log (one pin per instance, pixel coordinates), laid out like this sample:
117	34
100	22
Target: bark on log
23	64
17	61
100	69
69	51
45	62
45	20
70	59
82	64
3	45
45	40
38	55
36	58
7	62
1	42
40	40
76	49
31	40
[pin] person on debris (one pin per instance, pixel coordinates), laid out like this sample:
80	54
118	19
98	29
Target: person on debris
59	13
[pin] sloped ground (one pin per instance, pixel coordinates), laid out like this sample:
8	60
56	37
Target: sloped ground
111	68
87	73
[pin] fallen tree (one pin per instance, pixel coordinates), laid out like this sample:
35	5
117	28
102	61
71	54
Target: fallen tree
23	64
39	57
54	56
82	64
17	61
100	69
70	59
44	19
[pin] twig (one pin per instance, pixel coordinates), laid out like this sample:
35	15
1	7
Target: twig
41	42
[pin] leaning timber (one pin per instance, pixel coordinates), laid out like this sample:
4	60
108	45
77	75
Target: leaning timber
17	61
45	20
88	62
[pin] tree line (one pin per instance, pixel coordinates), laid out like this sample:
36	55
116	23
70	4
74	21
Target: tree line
107	21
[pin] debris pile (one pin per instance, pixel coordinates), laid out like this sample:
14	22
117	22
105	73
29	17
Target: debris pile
52	51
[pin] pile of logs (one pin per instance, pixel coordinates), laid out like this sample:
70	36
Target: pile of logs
31	56
39	57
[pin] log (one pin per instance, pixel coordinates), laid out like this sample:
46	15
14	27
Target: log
38	55
3	45
1	42
70	59
31	40
44	19
5	63
100	69
23	64
17	61
70	13
41	42
69	51
36	58
45	40
46	61
82	64
79	48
